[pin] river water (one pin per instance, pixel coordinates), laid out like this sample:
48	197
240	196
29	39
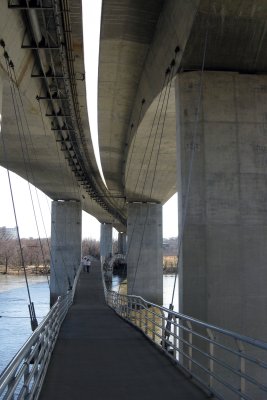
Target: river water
14	316
15	325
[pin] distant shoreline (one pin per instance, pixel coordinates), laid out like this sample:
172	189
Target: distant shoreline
31	270
169	268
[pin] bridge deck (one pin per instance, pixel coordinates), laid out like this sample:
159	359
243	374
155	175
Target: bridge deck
99	356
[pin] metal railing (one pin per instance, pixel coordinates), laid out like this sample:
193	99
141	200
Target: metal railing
24	376
227	365
109	264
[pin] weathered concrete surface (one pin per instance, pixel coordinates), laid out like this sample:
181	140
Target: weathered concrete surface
132	68
144	255
35	152
1	105
236	36
224	248
66	241
99	356
138	41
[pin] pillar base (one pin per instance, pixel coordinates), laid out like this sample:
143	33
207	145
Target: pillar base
144	258
66	239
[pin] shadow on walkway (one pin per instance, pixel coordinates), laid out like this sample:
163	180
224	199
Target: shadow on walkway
98	356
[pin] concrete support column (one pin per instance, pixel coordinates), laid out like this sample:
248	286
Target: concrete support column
1	103
122	246
223	271
144	257
105	241
66	237
2	139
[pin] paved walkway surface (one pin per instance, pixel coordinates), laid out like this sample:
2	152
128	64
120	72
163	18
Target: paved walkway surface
99	356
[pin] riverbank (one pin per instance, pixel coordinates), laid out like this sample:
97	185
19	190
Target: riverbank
170	265
31	270
169	268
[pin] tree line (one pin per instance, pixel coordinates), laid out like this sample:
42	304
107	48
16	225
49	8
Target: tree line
36	252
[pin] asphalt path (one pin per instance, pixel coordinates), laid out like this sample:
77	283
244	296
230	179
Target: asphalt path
99	356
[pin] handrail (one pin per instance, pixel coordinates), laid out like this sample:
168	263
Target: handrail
24	375
226	364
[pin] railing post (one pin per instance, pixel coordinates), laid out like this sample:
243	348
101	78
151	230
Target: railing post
129	308
125	305
116	303
133	312
211	354
175	340
242	367
26	375
10	386
163	342
154	327
146	316
190	341
140	314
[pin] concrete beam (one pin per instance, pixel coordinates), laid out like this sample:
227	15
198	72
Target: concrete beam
144	258
66	237
1	103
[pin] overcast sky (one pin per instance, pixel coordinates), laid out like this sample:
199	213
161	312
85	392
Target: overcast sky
26	218
23	203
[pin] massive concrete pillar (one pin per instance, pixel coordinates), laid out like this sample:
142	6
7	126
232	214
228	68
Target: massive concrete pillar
1	103
2	139
122	243
144	257
223	270
66	236
105	242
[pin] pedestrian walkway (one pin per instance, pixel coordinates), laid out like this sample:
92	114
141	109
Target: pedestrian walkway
99	356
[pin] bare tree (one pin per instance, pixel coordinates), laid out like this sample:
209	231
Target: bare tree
35	252
91	246
7	247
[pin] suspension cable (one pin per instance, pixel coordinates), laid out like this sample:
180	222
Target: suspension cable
169	73
19	123
157	127
49	208
11	68
127	172
192	156
34	322
150	133
168	91
11	65
134	139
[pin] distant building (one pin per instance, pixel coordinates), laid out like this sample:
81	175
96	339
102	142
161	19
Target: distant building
8	233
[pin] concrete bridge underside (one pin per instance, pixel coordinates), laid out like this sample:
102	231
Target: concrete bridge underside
222	263
148	48
52	148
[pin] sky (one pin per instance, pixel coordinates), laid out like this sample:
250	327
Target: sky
31	204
